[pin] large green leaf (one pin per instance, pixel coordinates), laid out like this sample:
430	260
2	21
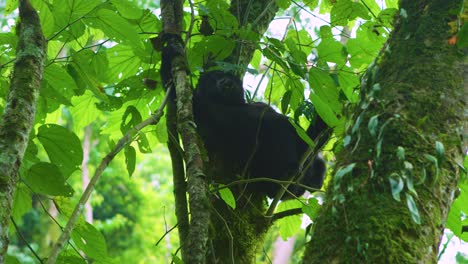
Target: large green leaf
46	178
67	14
61	83
116	27
127	9
345	10
288	226
62	146
84	111
123	62
324	110
90	240
330	50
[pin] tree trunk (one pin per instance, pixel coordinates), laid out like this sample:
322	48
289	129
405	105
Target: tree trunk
403	146
20	109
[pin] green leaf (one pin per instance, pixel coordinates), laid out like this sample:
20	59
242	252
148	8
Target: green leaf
22	202
285	101
12	260
324	87
440	151
61	82
342	172
401	153
454	218
463	36
312	208
84	111
275	55
45	15
63	258
130	159
123	62
331	50
283	4
10	6
302	133
396	184
67	15
62	146
176	259
227	196
413	209
90	240
290	225
116	27
362	49
46	178
324	110
345	10
135	119
372	125
127	9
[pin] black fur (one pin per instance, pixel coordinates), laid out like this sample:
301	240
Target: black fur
251	138
245	139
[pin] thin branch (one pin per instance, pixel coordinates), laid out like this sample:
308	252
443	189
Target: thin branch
25	241
165	234
124	141
286	213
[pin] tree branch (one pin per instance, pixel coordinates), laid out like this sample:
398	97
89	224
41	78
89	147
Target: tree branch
124	141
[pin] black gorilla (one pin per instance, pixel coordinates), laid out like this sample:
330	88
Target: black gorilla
251	139
244	139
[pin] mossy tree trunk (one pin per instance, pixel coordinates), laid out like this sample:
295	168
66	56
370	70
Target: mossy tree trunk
19	113
236	234
405	133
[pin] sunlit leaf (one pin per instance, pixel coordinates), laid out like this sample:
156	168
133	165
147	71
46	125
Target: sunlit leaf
62	146
227	196
46	178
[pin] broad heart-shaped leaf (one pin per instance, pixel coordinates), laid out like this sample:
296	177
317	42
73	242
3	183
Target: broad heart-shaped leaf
46	178
62	146
123	62
90	240
345	10
67	15
331	50
84	111
61	82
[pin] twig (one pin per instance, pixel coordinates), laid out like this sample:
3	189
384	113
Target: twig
24	240
165	234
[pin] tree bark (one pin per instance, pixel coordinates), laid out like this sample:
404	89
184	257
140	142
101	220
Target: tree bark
195	242
20	110
411	105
